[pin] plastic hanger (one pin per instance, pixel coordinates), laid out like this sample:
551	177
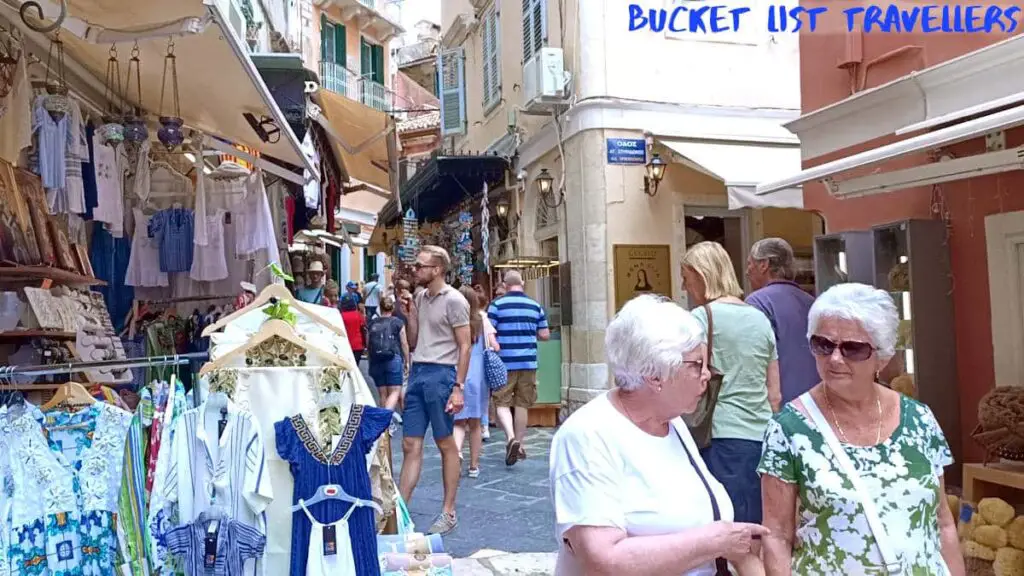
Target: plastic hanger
70	394
336	492
270	329
281	293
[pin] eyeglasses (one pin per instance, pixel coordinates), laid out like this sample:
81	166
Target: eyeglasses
851	350
420	265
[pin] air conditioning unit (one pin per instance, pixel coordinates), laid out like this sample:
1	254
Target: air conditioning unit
544	80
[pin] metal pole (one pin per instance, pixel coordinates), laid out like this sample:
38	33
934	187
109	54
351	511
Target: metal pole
69	368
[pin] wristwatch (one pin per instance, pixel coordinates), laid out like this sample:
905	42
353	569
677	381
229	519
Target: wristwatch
460	385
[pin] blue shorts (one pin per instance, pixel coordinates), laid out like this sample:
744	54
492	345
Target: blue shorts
426	398
387	372
734	463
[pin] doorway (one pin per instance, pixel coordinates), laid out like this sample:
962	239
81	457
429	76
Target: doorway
727	227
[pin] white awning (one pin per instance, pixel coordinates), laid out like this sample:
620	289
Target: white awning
742	167
931	140
217	80
992	73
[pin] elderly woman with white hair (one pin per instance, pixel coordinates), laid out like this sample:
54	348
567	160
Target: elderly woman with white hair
631	493
862	465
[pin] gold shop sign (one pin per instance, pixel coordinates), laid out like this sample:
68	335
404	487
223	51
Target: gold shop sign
641	269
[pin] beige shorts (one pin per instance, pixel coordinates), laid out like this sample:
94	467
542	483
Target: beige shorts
521	391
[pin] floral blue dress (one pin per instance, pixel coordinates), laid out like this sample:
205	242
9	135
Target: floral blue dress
64	484
346	466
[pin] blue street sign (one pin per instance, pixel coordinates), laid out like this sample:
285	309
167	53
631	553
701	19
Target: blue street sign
627	151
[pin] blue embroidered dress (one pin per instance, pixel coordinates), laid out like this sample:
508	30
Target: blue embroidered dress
173	229
345	466
65	481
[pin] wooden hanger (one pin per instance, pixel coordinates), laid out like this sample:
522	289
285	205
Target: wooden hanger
69	394
268	330
282	294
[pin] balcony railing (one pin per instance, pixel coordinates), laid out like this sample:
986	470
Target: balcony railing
372	4
341	80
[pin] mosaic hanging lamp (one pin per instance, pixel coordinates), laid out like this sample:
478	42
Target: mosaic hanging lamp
11	51
56	102
112	131
170	134
135	130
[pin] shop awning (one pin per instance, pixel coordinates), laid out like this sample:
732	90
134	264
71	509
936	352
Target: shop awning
929	141
742	167
443	183
359	138
217	81
921	99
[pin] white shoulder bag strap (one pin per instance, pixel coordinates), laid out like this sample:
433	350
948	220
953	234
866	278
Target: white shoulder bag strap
892	562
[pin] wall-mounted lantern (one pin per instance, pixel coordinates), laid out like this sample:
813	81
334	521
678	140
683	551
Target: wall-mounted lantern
545	185
655	173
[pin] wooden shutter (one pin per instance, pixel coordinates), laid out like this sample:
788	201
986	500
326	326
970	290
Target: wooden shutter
492	58
326	36
535	27
340	45
450	69
378	64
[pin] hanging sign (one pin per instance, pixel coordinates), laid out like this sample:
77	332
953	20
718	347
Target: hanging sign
627	151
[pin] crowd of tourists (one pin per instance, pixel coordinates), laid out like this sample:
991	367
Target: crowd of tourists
752	434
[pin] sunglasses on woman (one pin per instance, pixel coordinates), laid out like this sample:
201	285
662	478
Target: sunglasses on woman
851	350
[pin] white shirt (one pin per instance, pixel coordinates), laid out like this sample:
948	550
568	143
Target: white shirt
607	472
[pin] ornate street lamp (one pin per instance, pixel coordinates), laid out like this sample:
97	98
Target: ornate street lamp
545	184
655	173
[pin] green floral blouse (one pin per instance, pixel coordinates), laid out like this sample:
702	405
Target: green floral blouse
832	534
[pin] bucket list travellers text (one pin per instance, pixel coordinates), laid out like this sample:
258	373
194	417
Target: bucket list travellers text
708	18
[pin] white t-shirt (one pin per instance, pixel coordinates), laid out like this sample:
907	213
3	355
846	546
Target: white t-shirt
607	472
373	294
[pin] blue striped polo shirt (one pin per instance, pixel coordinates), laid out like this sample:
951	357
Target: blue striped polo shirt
517	317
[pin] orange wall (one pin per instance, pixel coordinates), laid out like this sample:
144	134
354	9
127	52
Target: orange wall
966	202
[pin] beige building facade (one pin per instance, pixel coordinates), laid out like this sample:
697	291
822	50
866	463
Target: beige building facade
653	90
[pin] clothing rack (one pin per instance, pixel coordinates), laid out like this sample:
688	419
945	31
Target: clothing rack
133	314
73	367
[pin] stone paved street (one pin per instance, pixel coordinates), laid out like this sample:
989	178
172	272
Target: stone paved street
505	509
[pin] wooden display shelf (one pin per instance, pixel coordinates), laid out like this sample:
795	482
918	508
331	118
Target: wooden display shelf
25	334
997	480
543	416
29	273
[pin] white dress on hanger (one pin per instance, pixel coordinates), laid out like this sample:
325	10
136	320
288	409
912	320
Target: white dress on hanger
319	563
144	262
256	226
209	262
109	163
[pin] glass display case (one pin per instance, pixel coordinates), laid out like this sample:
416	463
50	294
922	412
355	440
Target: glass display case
843	257
912	265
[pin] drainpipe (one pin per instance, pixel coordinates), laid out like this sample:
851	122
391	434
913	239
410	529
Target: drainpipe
853	56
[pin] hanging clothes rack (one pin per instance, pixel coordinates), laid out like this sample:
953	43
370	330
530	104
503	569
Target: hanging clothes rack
73	367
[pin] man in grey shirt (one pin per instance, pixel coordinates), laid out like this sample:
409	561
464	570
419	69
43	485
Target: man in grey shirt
439	335
771	270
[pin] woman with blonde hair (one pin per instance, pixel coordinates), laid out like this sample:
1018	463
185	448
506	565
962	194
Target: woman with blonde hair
743	351
476	393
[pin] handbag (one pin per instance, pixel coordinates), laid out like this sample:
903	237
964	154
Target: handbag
893	563
721	564
700	421
495	371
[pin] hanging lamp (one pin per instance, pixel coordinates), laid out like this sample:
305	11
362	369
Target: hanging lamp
170	134
135	130
112	131
56	102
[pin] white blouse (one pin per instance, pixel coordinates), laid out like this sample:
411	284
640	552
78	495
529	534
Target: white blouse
605	471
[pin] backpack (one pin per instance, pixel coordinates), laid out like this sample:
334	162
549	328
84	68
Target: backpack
383	344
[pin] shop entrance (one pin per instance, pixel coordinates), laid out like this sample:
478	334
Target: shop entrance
727	227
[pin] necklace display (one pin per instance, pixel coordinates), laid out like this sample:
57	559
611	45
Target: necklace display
839	428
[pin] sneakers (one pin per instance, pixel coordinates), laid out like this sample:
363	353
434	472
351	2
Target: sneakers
444	524
486	434
473	473
522	453
512	452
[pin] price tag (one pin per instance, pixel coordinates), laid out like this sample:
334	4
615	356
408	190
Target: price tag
210	545
330	540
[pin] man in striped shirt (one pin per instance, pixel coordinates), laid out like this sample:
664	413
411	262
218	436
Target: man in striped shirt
520	321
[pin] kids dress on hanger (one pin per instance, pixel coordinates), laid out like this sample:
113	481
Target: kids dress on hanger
346	466
209	263
65	490
330	555
233	544
144	262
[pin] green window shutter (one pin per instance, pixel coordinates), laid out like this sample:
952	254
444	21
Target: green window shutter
378	64
365	59
451	73
340	44
324	34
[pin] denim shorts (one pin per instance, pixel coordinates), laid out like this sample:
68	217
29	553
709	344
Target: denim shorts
387	372
733	462
426	398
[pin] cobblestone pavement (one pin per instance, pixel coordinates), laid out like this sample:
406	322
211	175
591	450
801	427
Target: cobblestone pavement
505	509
